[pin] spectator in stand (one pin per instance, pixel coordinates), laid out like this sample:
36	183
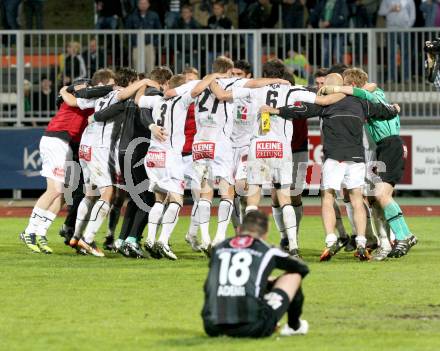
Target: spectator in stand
366	13
431	12
144	18
331	14
10	13
186	55
109	12
93	58
218	21
259	14
43	101
299	65
173	14
201	10
400	14
293	13
73	65
34	8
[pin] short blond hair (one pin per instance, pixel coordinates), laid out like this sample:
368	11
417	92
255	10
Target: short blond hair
176	81
355	76
222	64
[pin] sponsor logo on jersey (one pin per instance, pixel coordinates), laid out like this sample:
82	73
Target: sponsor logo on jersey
269	149
241	242
58	172
156	159
231	290
85	152
204	150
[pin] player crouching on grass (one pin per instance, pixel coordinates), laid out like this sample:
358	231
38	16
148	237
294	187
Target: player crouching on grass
241	299
62	134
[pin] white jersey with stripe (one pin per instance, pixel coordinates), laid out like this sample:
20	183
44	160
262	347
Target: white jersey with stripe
245	122
102	131
274	95
171	115
214	118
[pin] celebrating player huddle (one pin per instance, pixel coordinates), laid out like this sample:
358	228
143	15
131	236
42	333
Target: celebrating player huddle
243	143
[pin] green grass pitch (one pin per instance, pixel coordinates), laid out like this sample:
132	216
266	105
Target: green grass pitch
67	302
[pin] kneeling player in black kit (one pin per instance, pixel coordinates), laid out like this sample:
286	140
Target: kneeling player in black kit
241	300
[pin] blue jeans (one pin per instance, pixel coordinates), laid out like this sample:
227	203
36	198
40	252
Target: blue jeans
401	40
107	23
333	47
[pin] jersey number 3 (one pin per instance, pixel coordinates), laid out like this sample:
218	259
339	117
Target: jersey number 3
163	111
235	268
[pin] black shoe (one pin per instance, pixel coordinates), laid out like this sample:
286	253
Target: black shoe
412	240
400	249
124	251
351	244
294	253
134	249
108	243
66	233
284	244
362	253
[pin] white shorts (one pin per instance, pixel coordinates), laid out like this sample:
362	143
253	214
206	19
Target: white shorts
241	155
98	166
300	162
213	161
337	175
54	153
270	162
165	171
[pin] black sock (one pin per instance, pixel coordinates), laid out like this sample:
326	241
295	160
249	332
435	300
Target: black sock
127	224
295	310
70	221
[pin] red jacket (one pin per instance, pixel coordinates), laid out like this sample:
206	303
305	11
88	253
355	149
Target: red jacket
190	131
69	123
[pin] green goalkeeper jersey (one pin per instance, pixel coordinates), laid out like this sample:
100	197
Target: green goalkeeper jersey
378	129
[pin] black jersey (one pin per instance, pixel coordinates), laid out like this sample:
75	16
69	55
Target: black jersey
342	124
237	279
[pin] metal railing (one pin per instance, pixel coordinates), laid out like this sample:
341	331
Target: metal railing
34	65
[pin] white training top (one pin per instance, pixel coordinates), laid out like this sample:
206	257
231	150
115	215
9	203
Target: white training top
171	115
274	95
214	118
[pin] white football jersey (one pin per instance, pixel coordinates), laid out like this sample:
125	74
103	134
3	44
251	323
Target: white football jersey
214	118
171	115
274	95
102	130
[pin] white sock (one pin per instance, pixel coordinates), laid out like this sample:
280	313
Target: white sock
277	214
330	239
194	222
299	211
83	216
251	208
35	220
350	215
225	210
204	217
236	214
392	235
361	241
99	211
169	221
371	228
154	218
381	226
45	223
289	220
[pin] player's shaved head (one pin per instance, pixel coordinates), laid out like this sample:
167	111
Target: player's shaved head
334	79
255	223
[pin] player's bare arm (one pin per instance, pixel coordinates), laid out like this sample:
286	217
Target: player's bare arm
204	84
220	93
262	82
129	91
